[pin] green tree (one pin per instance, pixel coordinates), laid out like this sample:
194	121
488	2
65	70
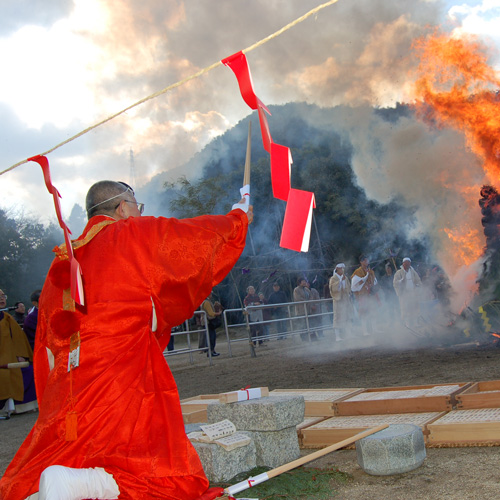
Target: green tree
192	199
26	250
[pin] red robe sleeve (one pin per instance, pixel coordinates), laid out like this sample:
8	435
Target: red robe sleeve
190	257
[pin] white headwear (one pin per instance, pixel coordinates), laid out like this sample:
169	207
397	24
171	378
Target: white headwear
342	265
406	259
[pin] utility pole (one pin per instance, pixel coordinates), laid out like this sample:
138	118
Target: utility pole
132	169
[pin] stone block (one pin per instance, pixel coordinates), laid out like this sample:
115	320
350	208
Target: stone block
221	465
275	448
262	414
397	449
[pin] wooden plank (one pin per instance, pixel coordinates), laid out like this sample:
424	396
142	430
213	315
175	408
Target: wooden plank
335	429
235	396
194	417
318	402
408	399
198	402
480	395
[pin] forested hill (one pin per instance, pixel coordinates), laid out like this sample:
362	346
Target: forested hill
346	223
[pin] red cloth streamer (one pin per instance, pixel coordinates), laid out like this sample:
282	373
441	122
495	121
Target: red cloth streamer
264	130
297	222
281	160
239	64
294	231
76	272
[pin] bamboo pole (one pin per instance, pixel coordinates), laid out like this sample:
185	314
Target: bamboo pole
392	259
253	481
246	176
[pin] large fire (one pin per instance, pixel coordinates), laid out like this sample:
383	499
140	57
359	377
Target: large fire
457	88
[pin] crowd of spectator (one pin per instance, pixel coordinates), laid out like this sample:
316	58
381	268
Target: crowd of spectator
362	301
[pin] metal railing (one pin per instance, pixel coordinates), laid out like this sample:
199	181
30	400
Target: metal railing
287	320
200	329
291	319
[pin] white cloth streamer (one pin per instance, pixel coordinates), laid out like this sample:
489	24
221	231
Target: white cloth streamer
245	194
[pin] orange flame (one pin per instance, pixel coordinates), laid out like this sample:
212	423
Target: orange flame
455	87
468	246
458	88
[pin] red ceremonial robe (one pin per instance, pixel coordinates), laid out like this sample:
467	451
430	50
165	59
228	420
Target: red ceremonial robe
126	400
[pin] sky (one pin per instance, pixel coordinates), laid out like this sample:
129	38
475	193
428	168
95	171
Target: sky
68	64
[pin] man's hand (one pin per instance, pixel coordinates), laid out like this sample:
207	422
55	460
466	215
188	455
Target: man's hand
248	209
250	214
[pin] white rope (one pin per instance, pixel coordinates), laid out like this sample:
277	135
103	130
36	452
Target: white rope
177	84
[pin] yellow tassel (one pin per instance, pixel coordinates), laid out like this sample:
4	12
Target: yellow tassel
71	426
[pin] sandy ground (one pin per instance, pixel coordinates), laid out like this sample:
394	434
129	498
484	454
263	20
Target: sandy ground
380	361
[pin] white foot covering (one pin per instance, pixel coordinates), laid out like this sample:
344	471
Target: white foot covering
7	409
63	483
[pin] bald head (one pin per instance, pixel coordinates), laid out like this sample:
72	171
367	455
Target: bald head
104	197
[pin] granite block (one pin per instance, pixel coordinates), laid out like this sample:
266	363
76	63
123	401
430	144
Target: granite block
221	465
397	449
275	448
262	414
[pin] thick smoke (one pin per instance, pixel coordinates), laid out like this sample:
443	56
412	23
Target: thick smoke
432	171
350	53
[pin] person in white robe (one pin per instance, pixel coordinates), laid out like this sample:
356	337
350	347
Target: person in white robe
340	290
406	284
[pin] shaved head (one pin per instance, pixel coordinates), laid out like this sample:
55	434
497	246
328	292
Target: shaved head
103	197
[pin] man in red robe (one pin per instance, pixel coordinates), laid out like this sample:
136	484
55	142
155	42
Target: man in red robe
116	412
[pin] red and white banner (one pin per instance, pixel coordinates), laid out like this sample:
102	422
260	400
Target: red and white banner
298	216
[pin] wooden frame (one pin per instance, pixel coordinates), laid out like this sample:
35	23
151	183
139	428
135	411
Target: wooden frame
407	399
480	395
307	422
336	429
319	402
478	427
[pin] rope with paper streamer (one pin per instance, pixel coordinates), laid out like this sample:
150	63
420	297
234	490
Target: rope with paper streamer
177	84
297	222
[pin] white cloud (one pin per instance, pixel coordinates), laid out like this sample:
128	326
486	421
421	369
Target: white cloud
481	19
47	77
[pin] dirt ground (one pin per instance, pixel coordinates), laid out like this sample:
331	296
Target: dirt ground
377	361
